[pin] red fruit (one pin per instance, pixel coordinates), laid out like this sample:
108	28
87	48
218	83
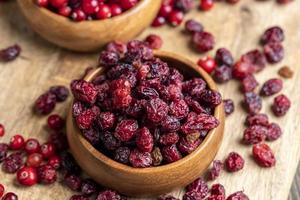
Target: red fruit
217	189
73	182
234	162
274	132
108	195
78	15
263	155
252	102
171	154
65	11
89	7
233	1
2	130
228	106
144	140
12	163
274	52
10	53
16	142
27	176
55	161
165	10
186	146
47	150
281	105
46	174
199	122
115	9
175	18
222	74
154	41
126	129
139	159
10	196
169	139
257	119
32	146
203	41
127	4
191	195
271	87
215	170
255	58
207	63
284	1
84	91
273	34
242	69
34	160
42	3
58	3
255	134
206	4
249	83
55	122
224	57
157	110
192	26
158	21
2	189
45	103
238	196
61	92
200	186
103	12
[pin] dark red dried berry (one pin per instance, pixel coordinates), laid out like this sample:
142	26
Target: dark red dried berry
84	91
3	151
79	197
10	53
224	57
109	141
186	146
157	110
69	164
77	108
140	159
59	140
242	69
222	74
88	187
215	171
156	156
154	41
274	52
192	26
192	195
263	155
85	119
273	132
170	124
238	196
234	162
272	86
45	103
126	129
199	186
108	195
217	189
194	87
108	58
117	47
55	122
255	134
61	92
211	97
228	106
252	102
257	119
170	154
193	104
281	105
46	174
13	162
106	120
203	41
122	155
249	83
256	59
167	197
200	122
273	34
169	139
184	5
144	140
73	182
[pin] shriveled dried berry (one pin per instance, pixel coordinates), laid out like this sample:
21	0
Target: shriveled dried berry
222	74
169	139
156	156
211	97
238	196
167	197
108	58
46	174
187	146
263	155
253	102
45	103
281	105
88	187
140	159
199	186
257	119
192	26
73	182
194	87
234	162
10	53
157	110
117	46
61	92
122	155
273	132
200	122
215	171
12	163
286	72
109	141
272	86
256	59
126	129
217	189
108	194
192	195
249	83
84	91
274	52
3	151
228	106
255	134
85	119
154	41
224	57
144	140
106	120
79	197
69	164
193	105
273	34
170	124
171	154
203	41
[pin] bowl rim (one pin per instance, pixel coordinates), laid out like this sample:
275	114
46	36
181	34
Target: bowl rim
218	113
63	19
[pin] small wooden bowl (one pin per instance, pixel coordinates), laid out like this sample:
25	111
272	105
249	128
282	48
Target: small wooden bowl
154	180
89	36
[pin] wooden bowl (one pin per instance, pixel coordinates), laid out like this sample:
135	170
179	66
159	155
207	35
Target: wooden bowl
154	180
89	36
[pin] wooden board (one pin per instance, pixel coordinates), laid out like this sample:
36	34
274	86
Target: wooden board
235	27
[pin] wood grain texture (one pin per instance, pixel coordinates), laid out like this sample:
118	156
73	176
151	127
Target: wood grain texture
235	27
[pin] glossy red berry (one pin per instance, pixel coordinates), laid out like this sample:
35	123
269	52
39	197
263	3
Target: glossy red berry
10	196
16	142
165	10
27	176
55	122
115	9
55	161
58	3
65	11
89	7
32	146
104	12
2	130
34	160
207	63
42	3
47	150
175	17
2	189
206	4
127	4
78	15
158	21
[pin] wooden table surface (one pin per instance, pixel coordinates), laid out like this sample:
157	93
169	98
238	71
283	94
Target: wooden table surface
235	27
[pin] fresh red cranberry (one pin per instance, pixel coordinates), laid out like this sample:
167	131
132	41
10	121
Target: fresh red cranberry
263	155
55	122
206	4
144	140
165	10
273	34
126	129
274	132
32	146
203	41
2	189
47	150
3	151
140	159
256	59
108	194
199	186
217	189
34	160
61	92
12	163
215	171
241	69
115	9
224	57
27	176
89	7
249	83
175	17
253	102
55	162
73	182
281	105
271	87
171	154
186	146
228	106
10	53
158	21
45	103
78	15
42	3
10	196
222	74
104	12
2	130
127	4
257	119
58	3
274	52
238	196
65	11
46	174
154	41
234	162
207	63
192	26
17	142
255	134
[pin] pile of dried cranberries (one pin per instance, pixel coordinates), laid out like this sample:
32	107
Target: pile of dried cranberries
141	112
79	10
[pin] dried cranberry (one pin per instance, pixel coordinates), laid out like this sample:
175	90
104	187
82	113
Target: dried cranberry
61	92
84	91
169	139
10	53
144	140
249	83
193	105
170	154
204	41
167	197
69	164
140	159
192	195
273	132
263	155
46	174
106	120
234	162
228	106
211	97
12	163
186	146
55	122
194	87
253	102
241	69
192	26
77	108
222	74
45	103
59	140
88	187
117	47
154	41
34	160
199	186
184	5
207	63
10	196
281	105
272	86
200	122
273	34
255	134
215	171
122	155
32	146
17	142
175	17
157	157
55	161
108	194
79	197
274	52
217	189
257	119
73	182
109	141
126	129
85	119
157	110
286	72
255	58
27	176
3	151
224	57
238	196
